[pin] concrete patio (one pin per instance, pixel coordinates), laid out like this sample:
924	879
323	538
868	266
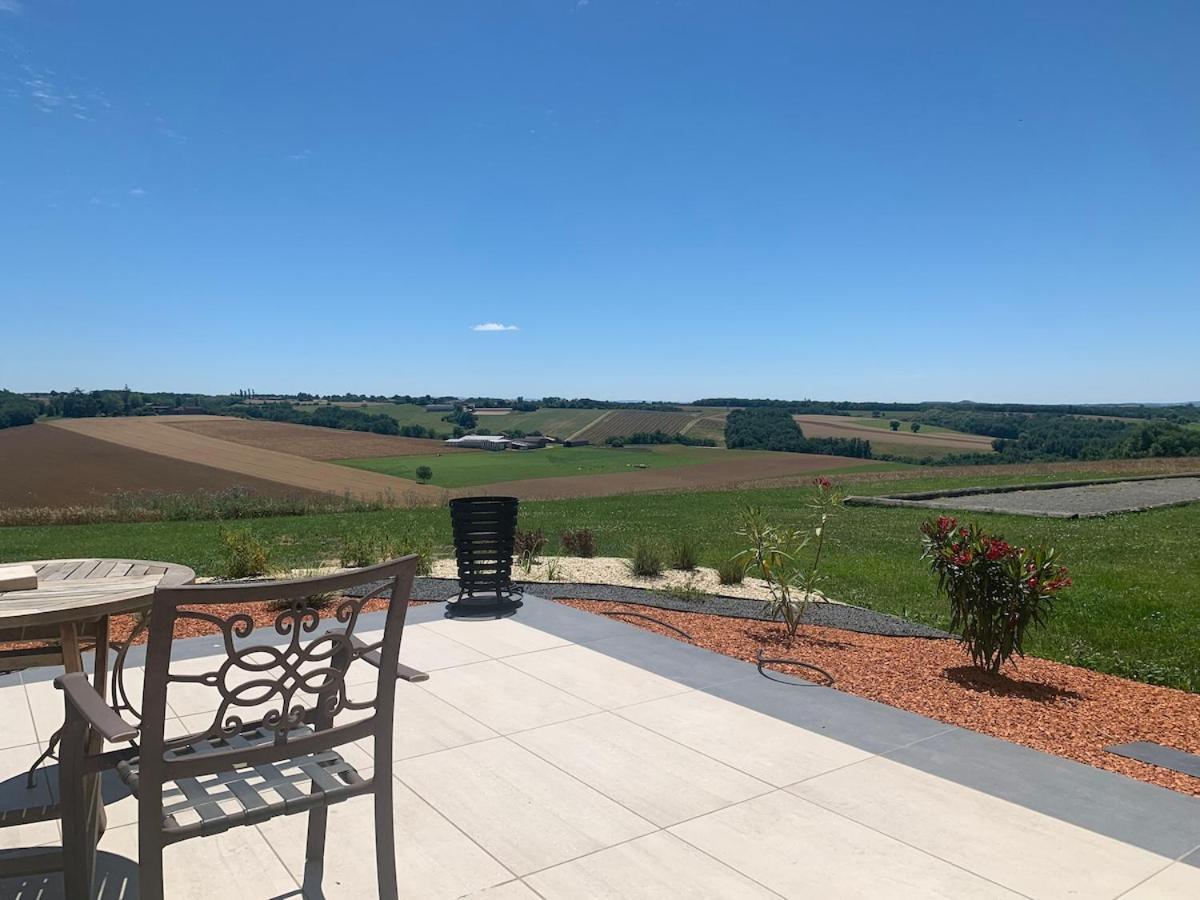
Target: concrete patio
558	754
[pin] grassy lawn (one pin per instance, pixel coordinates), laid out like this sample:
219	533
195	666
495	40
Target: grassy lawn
457	468
1134	610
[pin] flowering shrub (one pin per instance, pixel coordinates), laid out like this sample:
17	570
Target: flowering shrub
996	591
775	550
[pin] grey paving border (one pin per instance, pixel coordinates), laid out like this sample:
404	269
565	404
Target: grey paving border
829	615
1159	755
1144	815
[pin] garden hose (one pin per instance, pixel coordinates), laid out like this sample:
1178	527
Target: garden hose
622	612
762	661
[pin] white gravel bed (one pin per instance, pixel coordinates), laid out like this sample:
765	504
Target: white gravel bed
615	570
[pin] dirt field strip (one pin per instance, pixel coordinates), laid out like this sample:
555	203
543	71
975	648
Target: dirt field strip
56	467
155	435
729	473
843	426
308	441
592	424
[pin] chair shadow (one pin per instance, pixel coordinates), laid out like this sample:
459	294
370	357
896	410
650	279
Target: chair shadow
1003	686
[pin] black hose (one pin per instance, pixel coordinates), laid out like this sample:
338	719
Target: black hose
622	612
762	661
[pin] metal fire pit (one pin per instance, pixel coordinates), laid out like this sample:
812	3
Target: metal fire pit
485	529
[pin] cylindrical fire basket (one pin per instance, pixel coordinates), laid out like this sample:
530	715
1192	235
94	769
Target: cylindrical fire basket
485	529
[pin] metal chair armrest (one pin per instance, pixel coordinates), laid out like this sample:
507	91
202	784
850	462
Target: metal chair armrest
83	699
403	672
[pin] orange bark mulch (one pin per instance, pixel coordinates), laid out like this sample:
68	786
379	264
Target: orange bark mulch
1049	706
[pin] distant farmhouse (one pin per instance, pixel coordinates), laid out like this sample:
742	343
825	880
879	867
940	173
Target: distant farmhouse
480	442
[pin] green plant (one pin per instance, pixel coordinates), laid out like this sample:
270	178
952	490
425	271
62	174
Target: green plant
368	547
894	424
579	542
684	553
774	555
243	555
424	473
645	558
996	591
914	427
553	570
527	545
731	571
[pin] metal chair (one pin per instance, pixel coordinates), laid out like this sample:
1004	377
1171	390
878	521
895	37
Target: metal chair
243	769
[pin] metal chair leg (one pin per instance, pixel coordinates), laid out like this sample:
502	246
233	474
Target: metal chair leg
385	838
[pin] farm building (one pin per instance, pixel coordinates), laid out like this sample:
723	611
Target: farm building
578	442
533	442
480	442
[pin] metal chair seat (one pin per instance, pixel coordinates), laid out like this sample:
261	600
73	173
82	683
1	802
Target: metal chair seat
248	794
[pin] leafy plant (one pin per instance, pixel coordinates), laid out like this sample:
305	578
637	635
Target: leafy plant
242	554
775	553
366	548
424	473
914	427
579	542
731	571
645	558
685	554
527	545
553	570
996	591
894	424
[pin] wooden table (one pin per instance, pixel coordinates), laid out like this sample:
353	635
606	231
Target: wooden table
71	609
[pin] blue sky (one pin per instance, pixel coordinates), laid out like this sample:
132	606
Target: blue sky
893	201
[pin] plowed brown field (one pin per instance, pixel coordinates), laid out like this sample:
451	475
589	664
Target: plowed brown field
304	440
624	422
45	466
845	427
155	435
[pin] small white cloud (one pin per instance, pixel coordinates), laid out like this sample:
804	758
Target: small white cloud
494	326
137	192
303	154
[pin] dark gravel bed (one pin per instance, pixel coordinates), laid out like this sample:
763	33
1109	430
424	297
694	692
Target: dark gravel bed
830	615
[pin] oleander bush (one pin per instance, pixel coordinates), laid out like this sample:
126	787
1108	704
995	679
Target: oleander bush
997	592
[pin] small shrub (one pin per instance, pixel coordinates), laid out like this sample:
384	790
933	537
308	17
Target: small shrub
894	424
685	554
731	571
914	427
527	545
553	570
366	548
996	591
580	542
424	473
243	555
646	559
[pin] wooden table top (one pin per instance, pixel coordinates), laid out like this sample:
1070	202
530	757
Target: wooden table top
80	590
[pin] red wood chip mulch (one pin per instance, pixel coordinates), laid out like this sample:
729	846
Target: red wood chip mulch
1045	705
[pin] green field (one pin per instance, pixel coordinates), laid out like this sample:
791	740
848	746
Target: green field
1134	610
559	423
884	424
462	468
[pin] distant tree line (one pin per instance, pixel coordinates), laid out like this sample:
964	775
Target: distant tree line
659	437
16	409
773	428
334	417
1183	412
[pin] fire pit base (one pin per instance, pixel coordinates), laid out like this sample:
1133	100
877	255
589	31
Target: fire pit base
483	607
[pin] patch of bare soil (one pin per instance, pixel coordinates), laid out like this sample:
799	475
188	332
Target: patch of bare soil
845	426
153	435
53	467
1045	705
308	441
